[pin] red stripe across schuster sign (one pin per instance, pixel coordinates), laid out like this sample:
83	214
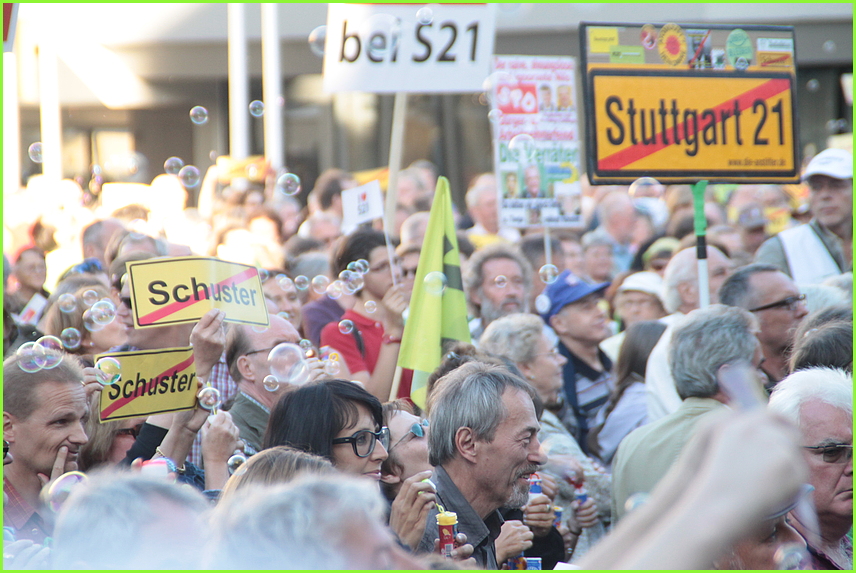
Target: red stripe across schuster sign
639	151
177	306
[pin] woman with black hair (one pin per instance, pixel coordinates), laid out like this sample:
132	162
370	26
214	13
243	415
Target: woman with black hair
335	419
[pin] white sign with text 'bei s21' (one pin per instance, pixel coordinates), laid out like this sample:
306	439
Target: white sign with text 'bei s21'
387	48
361	205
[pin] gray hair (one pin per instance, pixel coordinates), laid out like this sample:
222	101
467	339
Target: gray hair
301	525
705	340
475	268
682	267
481	184
111	523
828	385
513	336
468	397
736	290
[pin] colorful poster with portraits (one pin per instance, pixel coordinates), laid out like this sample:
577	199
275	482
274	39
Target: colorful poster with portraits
536	140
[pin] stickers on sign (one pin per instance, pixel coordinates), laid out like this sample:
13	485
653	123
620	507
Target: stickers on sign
717	56
738	49
601	40
672	45
626	55
775	60
648	36
700	49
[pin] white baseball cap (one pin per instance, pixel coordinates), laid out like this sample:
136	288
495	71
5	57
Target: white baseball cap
835	163
643	281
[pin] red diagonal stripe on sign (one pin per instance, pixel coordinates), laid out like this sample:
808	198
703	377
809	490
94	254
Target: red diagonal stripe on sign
121	402
177	306
625	157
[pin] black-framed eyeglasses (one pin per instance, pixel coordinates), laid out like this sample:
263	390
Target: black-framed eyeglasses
364	441
133	431
417	429
791	303
260	350
833	453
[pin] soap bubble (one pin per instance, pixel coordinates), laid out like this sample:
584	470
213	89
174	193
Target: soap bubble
284	282
198	115
35	152
270	383
332	368
425	15
260	328
89	321
384	33
548	274
56	493
371	306
67	302
173	165
812	85
791	557
305	344
524	143
542	303
288	364
209	398
257	108
335	290
500	281
361	266
54	344
352	281
494	115
288	184
109	370
435	283
301	282
334	356
189	176
263	274
90	297
31	357
346	326
317	38
103	312
70	338
236	461
320	284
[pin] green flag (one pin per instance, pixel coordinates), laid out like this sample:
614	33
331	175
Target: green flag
438	307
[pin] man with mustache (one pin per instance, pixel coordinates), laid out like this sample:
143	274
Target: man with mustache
44	412
483	455
498	283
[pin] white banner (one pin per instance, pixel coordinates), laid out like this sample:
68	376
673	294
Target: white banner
361	205
387	48
536	141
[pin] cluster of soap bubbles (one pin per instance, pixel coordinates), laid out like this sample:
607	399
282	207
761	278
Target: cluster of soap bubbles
42	354
100	312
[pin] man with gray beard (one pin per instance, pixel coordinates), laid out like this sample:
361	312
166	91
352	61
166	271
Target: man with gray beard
498	283
483	455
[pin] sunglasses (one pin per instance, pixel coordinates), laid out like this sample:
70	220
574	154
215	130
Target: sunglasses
364	441
833	454
791	302
133	432
417	429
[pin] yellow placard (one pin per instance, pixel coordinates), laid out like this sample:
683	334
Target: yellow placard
151	382
181	290
601	40
726	127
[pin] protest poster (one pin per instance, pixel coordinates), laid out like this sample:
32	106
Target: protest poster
361	205
182	289
536	141
149	382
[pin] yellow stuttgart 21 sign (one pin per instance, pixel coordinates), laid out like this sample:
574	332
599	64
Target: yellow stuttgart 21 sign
690	124
150	382
182	290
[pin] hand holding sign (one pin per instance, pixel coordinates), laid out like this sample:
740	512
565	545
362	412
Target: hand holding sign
208	340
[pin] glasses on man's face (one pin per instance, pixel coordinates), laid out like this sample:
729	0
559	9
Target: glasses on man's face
251	352
833	453
791	303
363	441
417	429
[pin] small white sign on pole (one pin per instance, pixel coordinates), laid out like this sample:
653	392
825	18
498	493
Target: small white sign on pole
387	48
361	205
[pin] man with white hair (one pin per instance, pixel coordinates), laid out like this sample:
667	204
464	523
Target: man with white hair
822	247
482	205
820	402
705	343
617	215
680	296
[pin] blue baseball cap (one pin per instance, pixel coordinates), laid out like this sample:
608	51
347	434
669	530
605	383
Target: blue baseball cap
566	289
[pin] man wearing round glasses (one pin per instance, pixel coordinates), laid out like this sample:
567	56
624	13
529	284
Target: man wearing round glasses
820	402
776	302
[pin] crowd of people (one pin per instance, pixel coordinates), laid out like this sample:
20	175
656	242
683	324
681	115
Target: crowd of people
600	416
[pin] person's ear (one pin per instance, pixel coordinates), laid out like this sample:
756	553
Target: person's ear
245	369
466	444
391	479
8	427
